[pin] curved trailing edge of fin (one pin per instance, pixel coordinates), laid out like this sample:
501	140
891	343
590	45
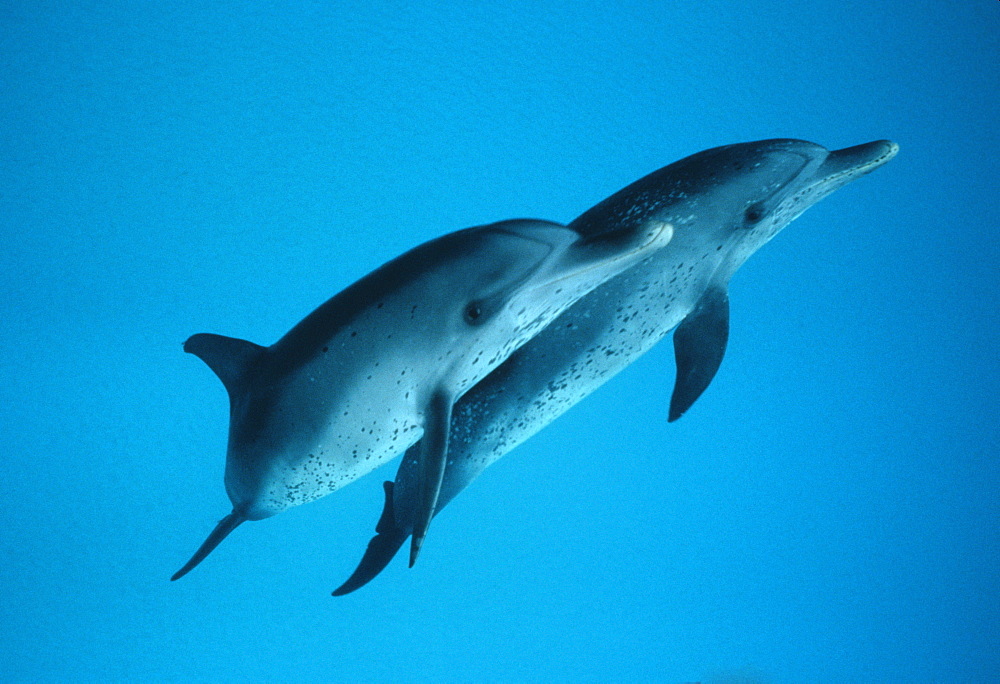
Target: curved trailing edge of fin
699	345
221	531
381	549
228	357
433	461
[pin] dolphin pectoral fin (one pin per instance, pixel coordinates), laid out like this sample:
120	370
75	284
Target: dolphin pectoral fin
221	531
228	357
699	345
381	549
433	458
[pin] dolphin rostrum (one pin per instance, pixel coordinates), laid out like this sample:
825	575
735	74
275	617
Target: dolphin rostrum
380	365
724	204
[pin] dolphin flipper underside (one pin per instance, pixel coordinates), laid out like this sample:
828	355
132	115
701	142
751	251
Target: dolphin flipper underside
699	345
433	458
381	549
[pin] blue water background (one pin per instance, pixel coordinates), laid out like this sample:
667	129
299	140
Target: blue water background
828	511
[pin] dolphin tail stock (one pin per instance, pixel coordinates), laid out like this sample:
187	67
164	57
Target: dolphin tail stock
221	531
381	549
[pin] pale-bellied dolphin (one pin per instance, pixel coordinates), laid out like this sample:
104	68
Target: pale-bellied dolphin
379	366
724	204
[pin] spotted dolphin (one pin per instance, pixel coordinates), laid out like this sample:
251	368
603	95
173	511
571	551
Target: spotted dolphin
379	366
724	203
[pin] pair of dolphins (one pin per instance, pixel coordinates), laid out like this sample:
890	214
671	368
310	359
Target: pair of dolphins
464	347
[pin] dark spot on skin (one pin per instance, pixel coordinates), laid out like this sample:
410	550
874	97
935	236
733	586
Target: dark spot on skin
753	214
326	349
354	334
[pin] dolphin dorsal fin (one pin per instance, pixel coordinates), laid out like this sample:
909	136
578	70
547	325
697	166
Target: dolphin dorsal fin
228	357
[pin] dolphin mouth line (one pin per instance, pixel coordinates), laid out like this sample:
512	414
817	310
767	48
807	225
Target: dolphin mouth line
831	182
891	150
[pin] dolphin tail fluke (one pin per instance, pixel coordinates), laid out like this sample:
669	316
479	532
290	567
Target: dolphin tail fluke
381	549
221	531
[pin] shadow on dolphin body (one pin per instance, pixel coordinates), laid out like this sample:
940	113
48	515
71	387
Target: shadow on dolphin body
724	203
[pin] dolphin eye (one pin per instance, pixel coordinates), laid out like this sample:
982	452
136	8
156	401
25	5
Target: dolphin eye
473	312
753	214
